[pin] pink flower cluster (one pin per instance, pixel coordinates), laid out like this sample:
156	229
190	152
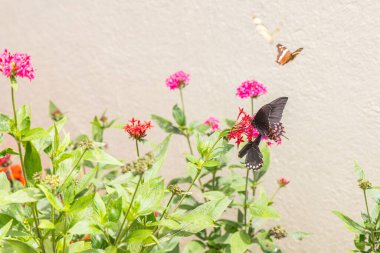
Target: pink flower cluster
16	65
137	129
251	89
213	123
178	80
243	127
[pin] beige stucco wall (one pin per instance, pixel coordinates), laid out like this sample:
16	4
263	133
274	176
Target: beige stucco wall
115	55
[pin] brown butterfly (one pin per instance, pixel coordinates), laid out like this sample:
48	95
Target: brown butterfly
285	55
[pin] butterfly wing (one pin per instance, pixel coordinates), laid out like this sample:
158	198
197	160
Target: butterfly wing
276	109
261	120
245	149
254	159
295	53
283	55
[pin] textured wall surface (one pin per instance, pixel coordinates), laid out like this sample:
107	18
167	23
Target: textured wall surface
115	55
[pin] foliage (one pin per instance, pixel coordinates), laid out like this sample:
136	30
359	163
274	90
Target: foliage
367	235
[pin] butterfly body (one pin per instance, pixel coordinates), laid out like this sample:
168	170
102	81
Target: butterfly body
267	122
285	55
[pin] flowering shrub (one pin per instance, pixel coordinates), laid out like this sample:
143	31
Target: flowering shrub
86	200
367	236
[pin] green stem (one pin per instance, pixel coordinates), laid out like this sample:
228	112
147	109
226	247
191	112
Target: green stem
19	141
246	198
199	169
275	193
164	212
373	246
182	100
120	234
189	143
252	106
72	170
213	179
254	183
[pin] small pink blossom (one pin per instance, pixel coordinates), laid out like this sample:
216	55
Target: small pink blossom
251	89
16	65
213	123
178	80
282	182
5	161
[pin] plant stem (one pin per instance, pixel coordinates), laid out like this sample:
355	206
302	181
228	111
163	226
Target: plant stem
72	170
275	193
120	234
18	140
199	169
182	101
189	143
252	106
164	212
246	198
373	246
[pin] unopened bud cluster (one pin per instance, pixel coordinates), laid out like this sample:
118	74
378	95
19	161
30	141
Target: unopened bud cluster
87	144
365	184
50	180
175	189
278	232
140	165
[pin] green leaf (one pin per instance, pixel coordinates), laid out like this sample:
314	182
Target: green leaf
138	235
98	155
53	200
299	235
82	203
349	223
34	134
211	163
165	125
179	116
32	161
214	195
21	196
266	162
4	123
194	247
46	224
160	152
4	183
358	171
23	119
239	242
18	246
97	130
4	230
114	209
149	196
8	151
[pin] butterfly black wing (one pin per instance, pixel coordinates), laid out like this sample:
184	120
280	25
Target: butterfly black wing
268	115
277	108
254	159
245	149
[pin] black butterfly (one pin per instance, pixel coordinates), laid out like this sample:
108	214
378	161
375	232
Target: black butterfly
267	122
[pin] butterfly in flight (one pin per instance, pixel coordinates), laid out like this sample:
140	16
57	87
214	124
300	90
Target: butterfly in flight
264	31
267	121
285	55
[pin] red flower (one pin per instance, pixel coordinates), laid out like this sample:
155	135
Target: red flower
15	173
5	161
136	129
243	128
282	182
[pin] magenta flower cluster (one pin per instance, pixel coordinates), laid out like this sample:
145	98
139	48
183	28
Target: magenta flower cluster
178	80
251	89
213	123
16	65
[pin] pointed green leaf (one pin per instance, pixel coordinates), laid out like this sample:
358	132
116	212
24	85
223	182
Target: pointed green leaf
32	161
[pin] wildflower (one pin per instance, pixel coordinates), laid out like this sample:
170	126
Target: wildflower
243	128
136	129
16	65
213	123
251	89
278	232
365	184
5	161
178	80
14	172
282	182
